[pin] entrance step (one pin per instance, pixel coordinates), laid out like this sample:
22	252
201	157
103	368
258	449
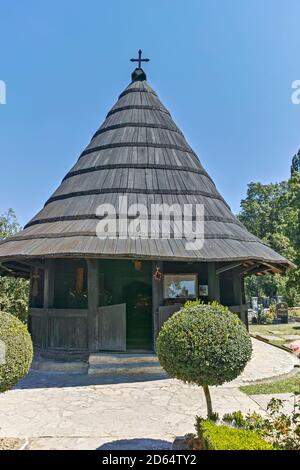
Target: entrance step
66	367
125	364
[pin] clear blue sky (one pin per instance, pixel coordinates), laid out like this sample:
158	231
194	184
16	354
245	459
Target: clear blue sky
224	69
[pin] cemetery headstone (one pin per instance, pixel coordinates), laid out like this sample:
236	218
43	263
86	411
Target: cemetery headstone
254	301
282	312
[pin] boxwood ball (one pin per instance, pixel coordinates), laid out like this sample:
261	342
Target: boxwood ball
204	345
15	351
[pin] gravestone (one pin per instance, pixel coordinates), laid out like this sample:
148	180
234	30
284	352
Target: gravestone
254	301
282	312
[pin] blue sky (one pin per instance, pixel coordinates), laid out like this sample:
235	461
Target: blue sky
223	68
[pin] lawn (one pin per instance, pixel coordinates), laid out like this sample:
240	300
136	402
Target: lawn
276	331
289	385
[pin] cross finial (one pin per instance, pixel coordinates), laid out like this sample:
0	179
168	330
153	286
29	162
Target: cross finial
139	60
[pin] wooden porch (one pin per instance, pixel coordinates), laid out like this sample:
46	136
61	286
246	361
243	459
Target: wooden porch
91	327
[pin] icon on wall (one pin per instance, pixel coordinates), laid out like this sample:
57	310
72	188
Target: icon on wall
203	290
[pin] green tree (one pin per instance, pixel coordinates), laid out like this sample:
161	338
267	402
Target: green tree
13	291
204	345
272	212
295	163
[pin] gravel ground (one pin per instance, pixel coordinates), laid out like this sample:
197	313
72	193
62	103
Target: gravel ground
11	444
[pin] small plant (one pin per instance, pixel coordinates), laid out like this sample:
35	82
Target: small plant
16	351
204	345
281	429
236	419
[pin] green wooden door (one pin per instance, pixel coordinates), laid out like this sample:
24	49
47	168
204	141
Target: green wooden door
138	298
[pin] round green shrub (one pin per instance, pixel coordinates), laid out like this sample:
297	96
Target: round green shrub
204	345
15	351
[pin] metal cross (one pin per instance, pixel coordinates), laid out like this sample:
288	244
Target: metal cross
139	60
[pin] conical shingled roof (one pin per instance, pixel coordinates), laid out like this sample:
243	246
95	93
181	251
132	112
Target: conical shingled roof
139	152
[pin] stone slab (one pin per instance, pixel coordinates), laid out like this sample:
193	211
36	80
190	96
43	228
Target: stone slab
287	398
291	337
271	337
96	443
68	411
158	410
66	367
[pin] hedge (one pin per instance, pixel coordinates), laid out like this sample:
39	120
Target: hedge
217	437
16	351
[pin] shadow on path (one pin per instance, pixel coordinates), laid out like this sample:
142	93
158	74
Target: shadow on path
37	379
136	444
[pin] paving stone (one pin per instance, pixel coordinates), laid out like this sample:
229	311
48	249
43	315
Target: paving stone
271	337
61	411
287	398
291	337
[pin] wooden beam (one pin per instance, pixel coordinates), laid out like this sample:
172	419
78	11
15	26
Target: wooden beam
49	271
227	267
35	263
250	268
93	301
273	268
237	287
19	268
5	268
213	282
254	271
157	299
49	268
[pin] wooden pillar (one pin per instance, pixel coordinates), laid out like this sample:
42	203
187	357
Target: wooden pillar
49	283
93	302
237	287
213	282
238	292
48	296
157	298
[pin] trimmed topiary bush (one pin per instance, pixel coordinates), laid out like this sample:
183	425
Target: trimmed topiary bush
15	351
214	437
204	345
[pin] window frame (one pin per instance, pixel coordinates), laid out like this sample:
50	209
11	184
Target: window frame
182	275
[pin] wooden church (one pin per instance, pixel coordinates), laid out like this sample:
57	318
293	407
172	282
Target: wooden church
92	294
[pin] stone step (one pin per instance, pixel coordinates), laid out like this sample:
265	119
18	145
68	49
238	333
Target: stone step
67	367
120	358
125	364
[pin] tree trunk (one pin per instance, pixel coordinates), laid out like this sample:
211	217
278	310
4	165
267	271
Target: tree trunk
208	401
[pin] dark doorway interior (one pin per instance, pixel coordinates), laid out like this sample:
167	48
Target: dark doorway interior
138	298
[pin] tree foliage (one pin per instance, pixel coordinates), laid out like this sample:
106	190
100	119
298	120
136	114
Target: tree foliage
16	351
13	291
295	163
272	212
204	345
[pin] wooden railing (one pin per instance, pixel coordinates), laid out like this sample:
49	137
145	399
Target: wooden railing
58	328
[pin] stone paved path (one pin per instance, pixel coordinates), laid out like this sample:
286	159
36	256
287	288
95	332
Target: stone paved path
267	362
287	398
154	410
56	411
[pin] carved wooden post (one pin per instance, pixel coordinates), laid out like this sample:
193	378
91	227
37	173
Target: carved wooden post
48	296
157	298
93	301
213	282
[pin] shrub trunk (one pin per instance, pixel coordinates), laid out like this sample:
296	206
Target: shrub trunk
208	401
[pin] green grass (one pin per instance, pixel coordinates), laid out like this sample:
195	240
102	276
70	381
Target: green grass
281	329
277	330
289	385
